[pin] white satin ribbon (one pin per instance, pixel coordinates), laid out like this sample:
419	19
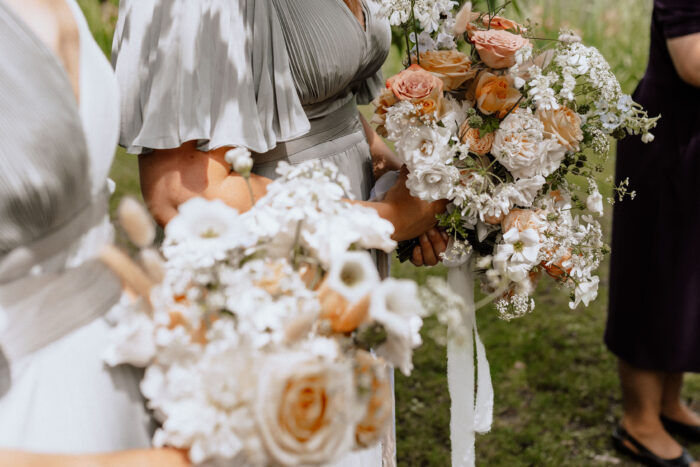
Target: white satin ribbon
468	415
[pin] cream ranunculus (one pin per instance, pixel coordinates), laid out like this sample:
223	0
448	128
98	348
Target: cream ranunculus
562	124
519	144
453	67
497	47
306	409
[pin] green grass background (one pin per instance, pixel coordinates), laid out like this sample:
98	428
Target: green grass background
557	397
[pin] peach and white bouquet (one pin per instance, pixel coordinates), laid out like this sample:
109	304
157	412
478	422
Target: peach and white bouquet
515	135
267	335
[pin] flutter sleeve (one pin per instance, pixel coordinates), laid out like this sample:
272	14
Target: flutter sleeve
678	17
370	88
216	72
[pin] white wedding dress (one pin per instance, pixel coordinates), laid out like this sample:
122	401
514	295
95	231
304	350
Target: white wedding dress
56	394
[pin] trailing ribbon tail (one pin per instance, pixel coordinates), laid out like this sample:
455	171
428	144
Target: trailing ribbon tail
468	416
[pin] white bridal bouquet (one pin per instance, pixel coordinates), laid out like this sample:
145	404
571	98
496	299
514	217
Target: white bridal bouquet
514	135
267	334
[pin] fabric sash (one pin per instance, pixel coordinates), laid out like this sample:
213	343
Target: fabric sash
341	128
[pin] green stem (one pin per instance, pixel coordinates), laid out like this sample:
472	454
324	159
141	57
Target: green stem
250	190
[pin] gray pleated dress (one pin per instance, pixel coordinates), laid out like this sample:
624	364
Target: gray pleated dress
280	77
56	393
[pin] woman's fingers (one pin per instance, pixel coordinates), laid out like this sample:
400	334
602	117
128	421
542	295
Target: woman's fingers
417	256
438	241
429	256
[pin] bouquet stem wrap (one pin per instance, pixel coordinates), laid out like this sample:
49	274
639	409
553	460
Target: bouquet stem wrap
468	415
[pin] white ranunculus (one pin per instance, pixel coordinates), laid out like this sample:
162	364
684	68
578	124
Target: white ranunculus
585	292
240	159
306	409
432	182
353	275
395	305
594	202
519	145
518	254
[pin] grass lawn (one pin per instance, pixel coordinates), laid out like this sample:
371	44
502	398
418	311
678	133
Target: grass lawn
557	397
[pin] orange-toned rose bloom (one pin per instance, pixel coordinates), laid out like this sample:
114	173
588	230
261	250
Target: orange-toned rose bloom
521	219
419	86
499	22
497	47
342	315
477	145
453	67
562	124
494	94
556	269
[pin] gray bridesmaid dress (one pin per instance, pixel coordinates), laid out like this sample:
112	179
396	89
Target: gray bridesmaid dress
56	393
280	77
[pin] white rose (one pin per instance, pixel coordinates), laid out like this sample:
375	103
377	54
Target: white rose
305	409
394	304
240	159
594	202
432	182
519	144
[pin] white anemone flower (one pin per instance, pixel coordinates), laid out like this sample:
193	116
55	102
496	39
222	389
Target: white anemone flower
518	254
585	292
353	275
395	305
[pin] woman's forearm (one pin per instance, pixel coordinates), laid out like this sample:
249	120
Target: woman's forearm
171	177
383	158
166	457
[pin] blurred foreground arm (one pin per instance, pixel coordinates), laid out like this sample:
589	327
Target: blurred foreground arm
166	457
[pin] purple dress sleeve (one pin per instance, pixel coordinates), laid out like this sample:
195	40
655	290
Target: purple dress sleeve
678	17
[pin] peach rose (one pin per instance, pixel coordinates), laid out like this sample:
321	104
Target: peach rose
497	47
477	145
521	219
371	372
494	94
499	22
556	269
418	86
562	124
305	409
453	67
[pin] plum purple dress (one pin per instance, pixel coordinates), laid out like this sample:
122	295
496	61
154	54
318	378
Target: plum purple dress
654	310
